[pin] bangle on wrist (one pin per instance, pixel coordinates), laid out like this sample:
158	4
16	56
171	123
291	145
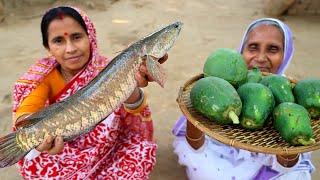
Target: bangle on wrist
287	160
140	106
194	139
137	103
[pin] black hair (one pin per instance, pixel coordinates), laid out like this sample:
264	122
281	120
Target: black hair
58	13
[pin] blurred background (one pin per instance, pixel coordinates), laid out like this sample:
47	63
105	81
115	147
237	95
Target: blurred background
208	24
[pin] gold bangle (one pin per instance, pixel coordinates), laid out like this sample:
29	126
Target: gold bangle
194	139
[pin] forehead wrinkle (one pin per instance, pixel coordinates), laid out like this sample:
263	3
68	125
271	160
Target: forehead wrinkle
269	27
256	36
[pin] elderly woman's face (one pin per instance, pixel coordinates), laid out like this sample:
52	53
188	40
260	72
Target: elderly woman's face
264	48
69	44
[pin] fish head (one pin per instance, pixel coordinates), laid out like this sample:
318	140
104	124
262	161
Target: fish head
159	43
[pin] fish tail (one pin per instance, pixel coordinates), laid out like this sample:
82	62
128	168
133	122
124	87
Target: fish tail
10	151
156	70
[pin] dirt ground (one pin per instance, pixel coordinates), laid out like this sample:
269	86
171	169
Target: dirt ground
208	24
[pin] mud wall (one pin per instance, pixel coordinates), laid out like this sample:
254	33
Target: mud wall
292	7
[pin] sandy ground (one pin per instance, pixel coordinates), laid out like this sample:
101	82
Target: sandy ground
208	24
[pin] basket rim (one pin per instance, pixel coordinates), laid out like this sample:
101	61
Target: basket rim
233	142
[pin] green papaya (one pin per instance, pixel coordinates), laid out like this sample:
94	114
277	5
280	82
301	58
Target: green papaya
216	99
280	87
227	64
257	103
254	75
307	94
292	121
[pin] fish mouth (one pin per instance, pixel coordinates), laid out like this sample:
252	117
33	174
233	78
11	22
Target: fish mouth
160	41
178	24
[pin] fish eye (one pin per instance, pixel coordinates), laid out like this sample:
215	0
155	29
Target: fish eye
176	26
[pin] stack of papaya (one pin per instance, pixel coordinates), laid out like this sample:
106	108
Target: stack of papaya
229	93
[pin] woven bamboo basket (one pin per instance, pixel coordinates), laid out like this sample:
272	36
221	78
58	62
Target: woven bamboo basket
266	140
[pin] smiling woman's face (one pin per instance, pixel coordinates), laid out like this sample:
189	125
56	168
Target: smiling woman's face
264	48
69	44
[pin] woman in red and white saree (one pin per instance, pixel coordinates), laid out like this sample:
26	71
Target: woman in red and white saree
120	147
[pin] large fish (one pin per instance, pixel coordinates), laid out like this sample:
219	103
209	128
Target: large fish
81	112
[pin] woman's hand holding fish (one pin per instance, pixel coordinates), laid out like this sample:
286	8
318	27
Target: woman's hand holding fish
51	145
143	78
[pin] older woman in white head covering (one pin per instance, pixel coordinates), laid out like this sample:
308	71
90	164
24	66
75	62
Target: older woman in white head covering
267	44
288	48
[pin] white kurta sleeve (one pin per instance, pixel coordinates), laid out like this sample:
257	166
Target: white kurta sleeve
300	171
32	154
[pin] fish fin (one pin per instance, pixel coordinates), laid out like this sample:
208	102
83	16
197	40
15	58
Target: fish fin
10	151
156	70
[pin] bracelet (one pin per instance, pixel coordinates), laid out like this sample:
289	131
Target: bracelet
286	160
289	160
138	109
137	103
194	139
